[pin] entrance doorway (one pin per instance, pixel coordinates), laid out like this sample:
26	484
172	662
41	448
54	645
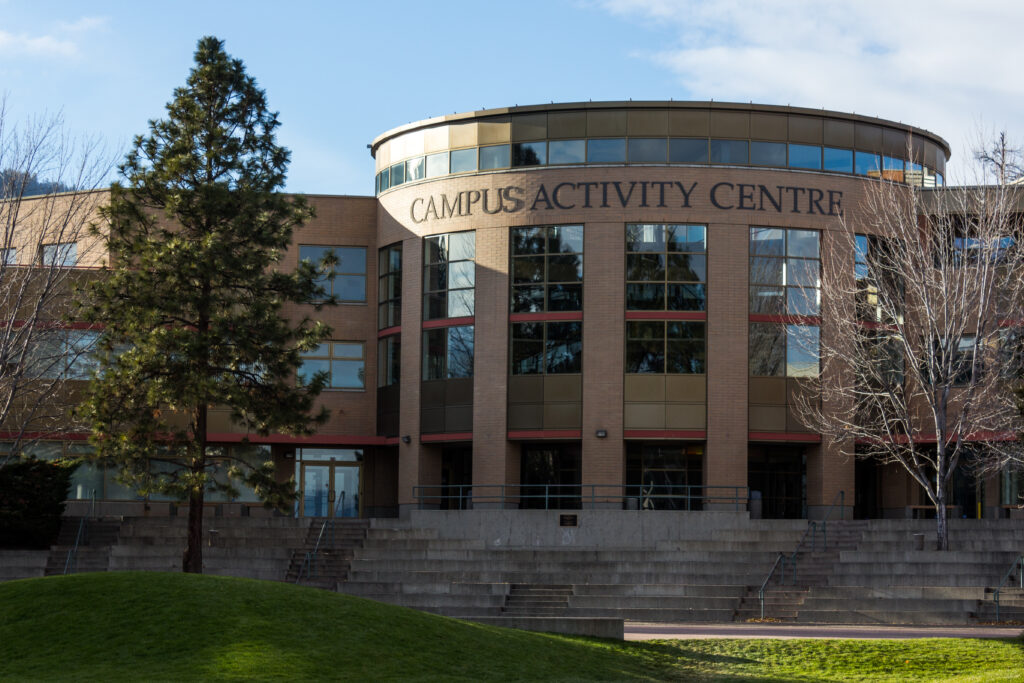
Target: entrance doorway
327	487
550	476
779	475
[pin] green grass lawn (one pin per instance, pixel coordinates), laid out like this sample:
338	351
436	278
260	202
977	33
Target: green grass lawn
150	626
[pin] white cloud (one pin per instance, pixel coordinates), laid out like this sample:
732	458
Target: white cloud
84	24
940	65
15	45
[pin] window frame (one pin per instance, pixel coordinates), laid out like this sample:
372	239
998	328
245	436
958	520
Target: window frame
332	358
667	284
546	284
326	276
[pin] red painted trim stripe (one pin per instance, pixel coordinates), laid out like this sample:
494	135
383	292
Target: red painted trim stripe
544	317
665	434
447	322
314	440
666	315
932	438
787	319
784	436
545	434
446	436
46	436
60	325
388	331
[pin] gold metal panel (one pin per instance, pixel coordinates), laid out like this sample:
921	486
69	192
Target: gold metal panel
929	153
643	416
793	424
435	139
494	131
432	393
526	389
894	143
458	419
685	416
796	388
606	123
767	419
384	156
868	138
644	388
769	127
220	421
462	135
563	415
563	388
730	124
458	392
689	124
413	143
567	124
647	123
839	133
432	420
526	416
686	388
767	389
529	127
805	129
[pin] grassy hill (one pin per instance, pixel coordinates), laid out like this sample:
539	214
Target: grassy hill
151	626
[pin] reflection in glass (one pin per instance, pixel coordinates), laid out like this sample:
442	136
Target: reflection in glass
495	156
729	152
868	164
414	169
838	160
463	160
547	265
611	150
802	350
437	164
529	153
648	150
768	153
804	156
397	174
767	350
567	151
688	150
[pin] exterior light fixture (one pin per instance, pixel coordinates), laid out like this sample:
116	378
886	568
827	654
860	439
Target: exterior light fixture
406	439
601	433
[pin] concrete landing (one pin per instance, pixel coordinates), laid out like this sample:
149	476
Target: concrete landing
599	627
650	631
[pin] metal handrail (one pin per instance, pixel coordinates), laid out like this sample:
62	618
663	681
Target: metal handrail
689	495
1019	560
812	530
308	564
71	563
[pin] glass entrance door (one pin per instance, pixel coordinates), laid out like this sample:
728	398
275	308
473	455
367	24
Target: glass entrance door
330	490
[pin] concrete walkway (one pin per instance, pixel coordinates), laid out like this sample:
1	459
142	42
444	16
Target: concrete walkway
635	630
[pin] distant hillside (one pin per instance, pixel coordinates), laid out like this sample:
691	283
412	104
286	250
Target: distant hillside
14	183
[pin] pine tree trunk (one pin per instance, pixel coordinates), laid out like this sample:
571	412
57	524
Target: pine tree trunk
192	561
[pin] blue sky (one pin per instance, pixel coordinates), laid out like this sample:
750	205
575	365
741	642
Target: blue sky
340	73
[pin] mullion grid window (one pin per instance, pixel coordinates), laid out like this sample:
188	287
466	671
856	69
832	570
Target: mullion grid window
785	272
449	275
448	352
665	347
345	278
547	269
343	362
547	348
666	267
389	287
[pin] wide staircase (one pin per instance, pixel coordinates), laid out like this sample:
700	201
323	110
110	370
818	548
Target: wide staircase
83	545
324	558
887	572
693	579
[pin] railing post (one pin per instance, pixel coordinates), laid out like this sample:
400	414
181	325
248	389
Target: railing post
842	504
546	496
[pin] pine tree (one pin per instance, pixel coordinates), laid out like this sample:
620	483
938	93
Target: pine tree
192	302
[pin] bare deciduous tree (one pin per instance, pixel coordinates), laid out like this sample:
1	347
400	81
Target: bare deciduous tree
920	348
44	242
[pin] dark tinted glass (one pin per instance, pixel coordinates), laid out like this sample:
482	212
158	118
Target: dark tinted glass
838	160
495	156
463	160
768	153
567	151
651	150
606	150
729	152
688	150
805	156
529	154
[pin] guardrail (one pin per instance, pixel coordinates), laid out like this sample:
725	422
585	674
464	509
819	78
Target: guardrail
309	562
71	563
581	496
1018	561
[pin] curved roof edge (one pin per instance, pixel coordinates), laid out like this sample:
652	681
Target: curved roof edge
654	104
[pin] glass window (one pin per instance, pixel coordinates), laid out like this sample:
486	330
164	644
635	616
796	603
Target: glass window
414	169
610	150
729	152
437	164
9	257
838	160
688	150
63	354
666	267
495	156
547	348
892	169
529	153
343	363
397	174
389	360
463	160
768	153
648	150
389	286
868	164
783	350
385	179
567	151
342	270
785	272
64	254
449	275
656	346
547	269
963	358
448	352
804	156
